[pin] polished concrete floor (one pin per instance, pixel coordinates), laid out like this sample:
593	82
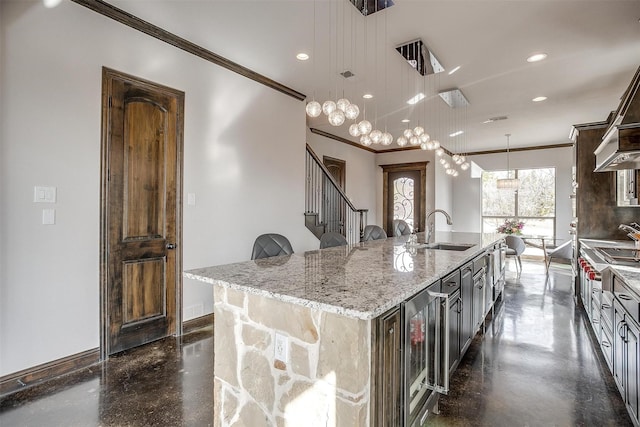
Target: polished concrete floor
535	365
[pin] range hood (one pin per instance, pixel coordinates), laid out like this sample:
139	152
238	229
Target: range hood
620	147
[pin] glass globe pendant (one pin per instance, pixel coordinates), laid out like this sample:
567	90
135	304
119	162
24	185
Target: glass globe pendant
336	118
365	140
423	146
328	107
418	130
439	150
455	173
313	109
425	137
342	104
401	141
464	166
353	130
352	111
414	140
408	133
430	145
436	145
376	136
364	127
387	139
455	158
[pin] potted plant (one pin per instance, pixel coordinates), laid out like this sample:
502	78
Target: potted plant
511	226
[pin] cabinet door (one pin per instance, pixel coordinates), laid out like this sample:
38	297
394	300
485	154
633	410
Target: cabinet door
389	369
619	346
455	320
466	289
632	365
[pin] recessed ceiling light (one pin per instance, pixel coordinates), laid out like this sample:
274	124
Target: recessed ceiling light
302	56
456	133
419	97
454	70
405	120
367	96
539	98
537	57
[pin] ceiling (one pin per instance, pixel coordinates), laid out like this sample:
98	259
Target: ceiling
593	50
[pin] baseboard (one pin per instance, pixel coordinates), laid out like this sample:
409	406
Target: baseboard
197	323
28	377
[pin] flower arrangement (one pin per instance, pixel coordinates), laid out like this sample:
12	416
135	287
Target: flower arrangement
511	226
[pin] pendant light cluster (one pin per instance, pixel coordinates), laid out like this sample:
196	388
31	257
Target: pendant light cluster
336	112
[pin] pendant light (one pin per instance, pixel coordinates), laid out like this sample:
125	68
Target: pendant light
508	183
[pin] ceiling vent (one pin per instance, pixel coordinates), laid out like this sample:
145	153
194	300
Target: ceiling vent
454	98
346	74
495	119
420	57
368	7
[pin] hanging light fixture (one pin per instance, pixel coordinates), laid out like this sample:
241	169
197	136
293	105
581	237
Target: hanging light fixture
508	183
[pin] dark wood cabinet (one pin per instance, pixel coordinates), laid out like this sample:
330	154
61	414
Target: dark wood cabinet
451	286
388	338
466	292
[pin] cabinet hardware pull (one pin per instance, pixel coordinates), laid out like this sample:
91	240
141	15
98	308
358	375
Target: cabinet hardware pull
624	297
606	306
391	331
606	344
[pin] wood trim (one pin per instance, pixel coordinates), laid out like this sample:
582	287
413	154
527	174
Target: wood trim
132	21
197	323
576	129
513	150
31	376
341	139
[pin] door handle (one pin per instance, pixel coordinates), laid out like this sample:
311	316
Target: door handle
171	246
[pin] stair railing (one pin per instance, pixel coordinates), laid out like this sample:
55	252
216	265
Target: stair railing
331	207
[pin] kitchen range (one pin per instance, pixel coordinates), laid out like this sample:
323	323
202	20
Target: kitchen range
609	289
366	334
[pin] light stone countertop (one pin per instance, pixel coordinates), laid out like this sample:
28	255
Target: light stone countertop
630	275
360	281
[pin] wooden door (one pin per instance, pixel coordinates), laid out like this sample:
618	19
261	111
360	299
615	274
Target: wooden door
333	205
404	194
141	211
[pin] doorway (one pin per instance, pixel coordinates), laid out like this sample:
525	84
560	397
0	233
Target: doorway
141	214
333	204
403	196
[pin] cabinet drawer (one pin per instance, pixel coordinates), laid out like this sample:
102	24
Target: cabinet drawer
606	344
451	283
626	298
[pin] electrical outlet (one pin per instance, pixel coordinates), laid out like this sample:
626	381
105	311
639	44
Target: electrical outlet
281	348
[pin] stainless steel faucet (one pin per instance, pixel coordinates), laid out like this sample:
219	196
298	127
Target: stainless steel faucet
430	227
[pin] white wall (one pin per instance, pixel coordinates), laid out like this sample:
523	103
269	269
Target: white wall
244	163
468	191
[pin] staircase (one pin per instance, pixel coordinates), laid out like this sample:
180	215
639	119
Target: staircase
327	207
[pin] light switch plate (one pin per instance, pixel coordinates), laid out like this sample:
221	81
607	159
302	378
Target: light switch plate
44	194
48	216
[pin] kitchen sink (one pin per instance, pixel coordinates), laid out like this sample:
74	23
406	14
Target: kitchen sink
449	246
620	256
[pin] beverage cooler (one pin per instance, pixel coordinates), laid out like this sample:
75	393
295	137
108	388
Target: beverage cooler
426	337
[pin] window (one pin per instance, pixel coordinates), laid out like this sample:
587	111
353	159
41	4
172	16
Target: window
534	203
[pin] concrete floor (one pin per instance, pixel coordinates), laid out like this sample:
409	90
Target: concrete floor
535	365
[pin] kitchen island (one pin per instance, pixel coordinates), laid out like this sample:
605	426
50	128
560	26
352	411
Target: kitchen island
296	336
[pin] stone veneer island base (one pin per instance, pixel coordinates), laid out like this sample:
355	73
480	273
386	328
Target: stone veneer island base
325	380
